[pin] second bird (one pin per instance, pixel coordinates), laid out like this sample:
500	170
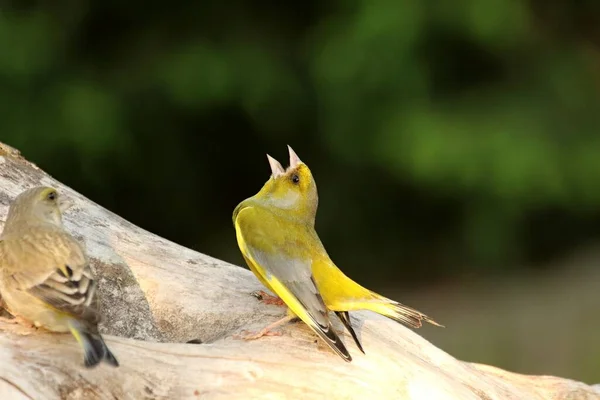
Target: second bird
276	234
45	276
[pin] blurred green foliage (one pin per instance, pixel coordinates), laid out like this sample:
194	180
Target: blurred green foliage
458	132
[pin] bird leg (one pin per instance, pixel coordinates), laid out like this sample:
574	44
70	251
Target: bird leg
266	331
266	298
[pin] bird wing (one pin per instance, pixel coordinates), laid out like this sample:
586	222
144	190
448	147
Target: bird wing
290	277
56	271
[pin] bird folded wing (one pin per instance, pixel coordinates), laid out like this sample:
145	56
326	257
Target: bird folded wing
67	288
291	278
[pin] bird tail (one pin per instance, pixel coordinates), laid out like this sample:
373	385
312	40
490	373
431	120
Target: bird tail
94	348
344	316
400	313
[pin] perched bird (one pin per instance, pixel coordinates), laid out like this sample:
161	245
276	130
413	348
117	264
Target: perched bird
45	277
276	233
272	242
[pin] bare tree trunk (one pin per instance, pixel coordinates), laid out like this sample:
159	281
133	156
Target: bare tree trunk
156	295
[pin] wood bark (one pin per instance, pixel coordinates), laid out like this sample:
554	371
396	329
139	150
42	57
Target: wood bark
157	295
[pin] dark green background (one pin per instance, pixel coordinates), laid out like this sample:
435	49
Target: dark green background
454	142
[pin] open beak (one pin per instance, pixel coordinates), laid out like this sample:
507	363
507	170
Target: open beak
276	168
294	159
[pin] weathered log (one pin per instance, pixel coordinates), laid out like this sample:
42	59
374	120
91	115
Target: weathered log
157	295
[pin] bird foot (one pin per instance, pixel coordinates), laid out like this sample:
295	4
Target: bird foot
266	298
266	331
246	335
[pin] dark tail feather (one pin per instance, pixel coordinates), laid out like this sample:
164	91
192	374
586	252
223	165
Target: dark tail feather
94	348
344	316
96	351
109	357
334	341
329	335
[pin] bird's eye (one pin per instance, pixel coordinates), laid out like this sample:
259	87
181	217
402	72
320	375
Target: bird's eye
295	178
51	196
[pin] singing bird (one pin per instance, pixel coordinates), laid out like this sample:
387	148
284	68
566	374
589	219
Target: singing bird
276	234
45	276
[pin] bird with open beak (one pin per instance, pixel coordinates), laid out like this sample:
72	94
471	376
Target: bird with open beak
276	234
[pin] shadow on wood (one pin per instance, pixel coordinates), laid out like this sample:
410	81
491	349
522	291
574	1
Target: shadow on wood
157	295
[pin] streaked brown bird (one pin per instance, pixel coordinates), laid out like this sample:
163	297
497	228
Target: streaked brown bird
45	276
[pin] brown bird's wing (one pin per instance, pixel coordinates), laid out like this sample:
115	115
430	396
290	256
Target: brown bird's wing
289	276
58	272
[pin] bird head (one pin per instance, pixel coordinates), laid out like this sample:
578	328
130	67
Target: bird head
39	205
292	191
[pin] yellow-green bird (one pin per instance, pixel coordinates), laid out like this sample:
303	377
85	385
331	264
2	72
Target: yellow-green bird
45	276
276	235
272	242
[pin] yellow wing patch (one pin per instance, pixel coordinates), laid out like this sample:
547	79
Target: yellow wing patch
272	282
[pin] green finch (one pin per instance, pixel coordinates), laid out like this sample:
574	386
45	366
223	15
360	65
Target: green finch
276	235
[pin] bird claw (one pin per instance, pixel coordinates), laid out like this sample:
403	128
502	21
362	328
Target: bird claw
266	298
259	294
246	335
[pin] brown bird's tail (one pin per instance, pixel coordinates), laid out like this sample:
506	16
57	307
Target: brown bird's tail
96	351
94	348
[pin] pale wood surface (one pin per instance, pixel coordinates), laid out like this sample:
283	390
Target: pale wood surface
156	295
